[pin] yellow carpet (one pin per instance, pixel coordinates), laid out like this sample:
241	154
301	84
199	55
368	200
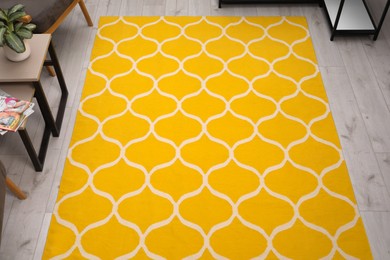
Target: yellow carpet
205	137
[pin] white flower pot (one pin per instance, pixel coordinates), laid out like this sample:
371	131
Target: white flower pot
14	56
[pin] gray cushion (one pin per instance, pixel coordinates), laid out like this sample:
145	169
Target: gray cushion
43	12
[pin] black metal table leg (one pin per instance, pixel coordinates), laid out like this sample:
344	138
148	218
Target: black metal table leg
64	91
38	160
45	108
336	22
38	164
382	20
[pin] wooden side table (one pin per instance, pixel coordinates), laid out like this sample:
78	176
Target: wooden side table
28	72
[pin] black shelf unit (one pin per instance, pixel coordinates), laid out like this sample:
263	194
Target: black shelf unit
223	2
345	17
349	17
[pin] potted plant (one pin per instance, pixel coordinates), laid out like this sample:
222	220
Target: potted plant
15	27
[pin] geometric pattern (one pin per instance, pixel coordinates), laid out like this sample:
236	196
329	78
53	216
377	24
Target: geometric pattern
205	137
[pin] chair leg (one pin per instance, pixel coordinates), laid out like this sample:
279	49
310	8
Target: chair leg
50	70
85	12
15	189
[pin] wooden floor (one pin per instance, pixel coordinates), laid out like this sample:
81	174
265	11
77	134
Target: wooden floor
355	70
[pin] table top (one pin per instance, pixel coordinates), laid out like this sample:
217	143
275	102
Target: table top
30	69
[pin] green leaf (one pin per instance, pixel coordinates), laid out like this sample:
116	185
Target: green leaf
16	16
15	8
24	33
30	26
3	15
14	42
2	24
2	31
18	26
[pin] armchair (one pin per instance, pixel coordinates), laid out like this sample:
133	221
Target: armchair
48	14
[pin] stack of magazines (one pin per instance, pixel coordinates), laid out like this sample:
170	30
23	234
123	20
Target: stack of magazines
13	112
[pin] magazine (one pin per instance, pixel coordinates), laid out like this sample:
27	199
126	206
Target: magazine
13	112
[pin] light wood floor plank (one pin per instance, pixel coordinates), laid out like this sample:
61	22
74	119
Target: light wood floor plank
377	226
280	9
131	8
379	58
42	237
368	94
153	8
111	8
345	110
384	164
270	10
170	8
15	169
369	187
199	7
176	7
245	11
26	217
